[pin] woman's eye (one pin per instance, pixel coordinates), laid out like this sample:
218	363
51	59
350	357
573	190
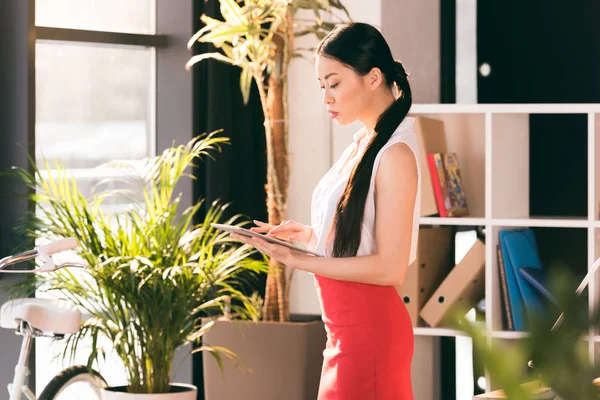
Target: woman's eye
331	87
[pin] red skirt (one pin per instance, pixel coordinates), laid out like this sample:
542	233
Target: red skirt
370	342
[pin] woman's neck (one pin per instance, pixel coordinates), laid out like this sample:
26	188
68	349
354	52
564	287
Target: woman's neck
378	106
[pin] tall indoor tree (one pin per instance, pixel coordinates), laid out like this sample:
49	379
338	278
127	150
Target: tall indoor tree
258	36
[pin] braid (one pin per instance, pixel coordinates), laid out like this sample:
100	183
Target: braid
350	208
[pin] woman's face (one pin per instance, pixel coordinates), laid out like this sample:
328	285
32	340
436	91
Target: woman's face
344	91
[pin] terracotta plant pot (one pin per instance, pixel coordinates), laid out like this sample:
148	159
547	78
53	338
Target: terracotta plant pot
285	359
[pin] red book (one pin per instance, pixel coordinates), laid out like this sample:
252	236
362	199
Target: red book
440	185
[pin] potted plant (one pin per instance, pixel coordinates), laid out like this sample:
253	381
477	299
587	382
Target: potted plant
258	37
153	272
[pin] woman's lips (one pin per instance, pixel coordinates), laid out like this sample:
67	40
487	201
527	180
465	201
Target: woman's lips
333	114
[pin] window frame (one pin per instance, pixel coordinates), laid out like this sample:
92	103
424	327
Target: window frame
101	37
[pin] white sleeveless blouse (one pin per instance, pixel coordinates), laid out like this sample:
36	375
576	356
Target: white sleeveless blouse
329	189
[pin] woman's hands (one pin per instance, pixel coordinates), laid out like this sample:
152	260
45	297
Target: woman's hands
287	230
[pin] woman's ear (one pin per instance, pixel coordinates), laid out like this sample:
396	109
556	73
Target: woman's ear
374	78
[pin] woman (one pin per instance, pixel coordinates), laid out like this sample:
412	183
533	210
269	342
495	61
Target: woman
364	221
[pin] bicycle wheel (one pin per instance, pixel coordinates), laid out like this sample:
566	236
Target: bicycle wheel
75	382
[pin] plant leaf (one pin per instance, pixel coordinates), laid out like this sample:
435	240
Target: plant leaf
246	83
215	56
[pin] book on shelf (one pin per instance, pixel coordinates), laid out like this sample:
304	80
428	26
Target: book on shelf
447	184
522	278
439	182
431	136
456	190
507	317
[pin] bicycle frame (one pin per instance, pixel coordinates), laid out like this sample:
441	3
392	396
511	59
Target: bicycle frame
44	253
18	387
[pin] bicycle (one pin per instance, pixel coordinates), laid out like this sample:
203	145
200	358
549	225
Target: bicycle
35	317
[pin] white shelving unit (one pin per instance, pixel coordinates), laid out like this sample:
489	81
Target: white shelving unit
492	144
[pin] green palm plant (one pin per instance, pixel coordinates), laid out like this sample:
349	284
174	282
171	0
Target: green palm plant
153	272
258	36
556	355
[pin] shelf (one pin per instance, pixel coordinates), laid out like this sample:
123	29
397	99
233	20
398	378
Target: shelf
594	163
562	240
465	135
519	181
419	331
492	143
553	222
594	286
596	245
515	335
510	334
506	183
452	221
505	108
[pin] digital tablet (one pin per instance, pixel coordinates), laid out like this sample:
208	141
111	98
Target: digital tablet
249	233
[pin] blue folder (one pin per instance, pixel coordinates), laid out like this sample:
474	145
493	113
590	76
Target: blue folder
519	250
539	280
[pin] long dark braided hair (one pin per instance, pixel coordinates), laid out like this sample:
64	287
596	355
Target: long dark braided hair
362	47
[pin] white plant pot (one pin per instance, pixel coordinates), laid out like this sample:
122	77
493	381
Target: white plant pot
182	392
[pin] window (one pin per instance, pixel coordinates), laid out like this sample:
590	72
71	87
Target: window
95	97
132	16
93	104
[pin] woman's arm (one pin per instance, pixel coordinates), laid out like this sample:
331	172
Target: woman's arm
395	196
313	241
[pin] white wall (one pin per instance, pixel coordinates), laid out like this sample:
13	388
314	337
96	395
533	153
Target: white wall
412	29
315	142
309	160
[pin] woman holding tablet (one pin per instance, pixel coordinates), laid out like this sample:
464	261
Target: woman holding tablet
365	215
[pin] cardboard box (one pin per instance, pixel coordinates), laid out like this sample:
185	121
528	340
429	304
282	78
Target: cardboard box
463	287
426	273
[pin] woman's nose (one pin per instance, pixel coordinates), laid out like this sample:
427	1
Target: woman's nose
327	97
